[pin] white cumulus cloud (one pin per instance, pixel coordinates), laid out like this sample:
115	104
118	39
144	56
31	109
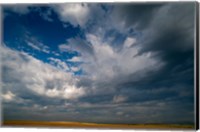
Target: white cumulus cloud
8	96
41	78
74	13
109	64
129	42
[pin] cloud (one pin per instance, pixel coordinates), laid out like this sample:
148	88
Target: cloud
75	69
20	9
46	15
75	59
166	35
162	26
36	45
55	53
33	46
109	69
140	16
165	29
38	77
119	99
119	113
83	15
129	42
109	64
54	97
136	69
59	64
68	93
64	48
74	13
77	44
9	96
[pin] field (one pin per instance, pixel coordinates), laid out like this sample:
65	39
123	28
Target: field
93	125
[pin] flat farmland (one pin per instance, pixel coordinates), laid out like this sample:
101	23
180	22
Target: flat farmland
93	125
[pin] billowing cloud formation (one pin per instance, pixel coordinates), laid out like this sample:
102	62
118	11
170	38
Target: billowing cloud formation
109	64
36	76
76	13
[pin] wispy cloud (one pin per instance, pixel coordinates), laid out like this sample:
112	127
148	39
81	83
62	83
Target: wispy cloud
59	64
77	44
36	45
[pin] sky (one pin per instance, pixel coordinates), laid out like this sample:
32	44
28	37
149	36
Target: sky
126	63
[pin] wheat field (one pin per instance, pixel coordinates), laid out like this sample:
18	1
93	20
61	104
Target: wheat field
93	125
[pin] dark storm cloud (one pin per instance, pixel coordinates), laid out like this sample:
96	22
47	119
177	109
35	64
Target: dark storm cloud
172	31
169	33
137	14
173	40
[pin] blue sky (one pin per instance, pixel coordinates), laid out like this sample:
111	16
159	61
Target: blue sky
103	63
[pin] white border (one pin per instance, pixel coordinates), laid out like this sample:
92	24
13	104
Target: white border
69	1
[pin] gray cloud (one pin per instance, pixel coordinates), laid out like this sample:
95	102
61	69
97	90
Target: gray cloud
138	15
77	44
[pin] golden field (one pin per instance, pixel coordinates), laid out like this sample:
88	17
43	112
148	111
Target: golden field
93	125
